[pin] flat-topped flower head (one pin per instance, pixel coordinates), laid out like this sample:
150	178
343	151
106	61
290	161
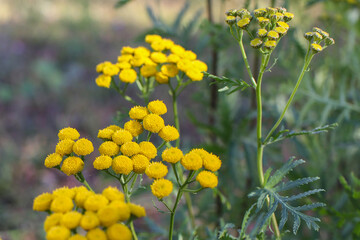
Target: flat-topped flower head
270	45
130	148
83	147
261	32
161	188
156	170
243	23
128	75
77	237
316	47
140	163
207	179
137	210
105	134
172	155
64	147
148	149
53	160
118	229
108	215
194	74
272	35
68	133
157	107
103	81
152	38
64	191
62	204
110	70
109	148
283	24
113	193
123	209
122	136
169	133
158	57
281	31
52	220
81	197
42	202
122	165
288	16
138	112
212	162
58	233
148	70
153	123
199	65
71	219
134	127
102	162
192	161
161	78
72	165
96	234
256	43
113	127
95	202
169	69
89	220
231	20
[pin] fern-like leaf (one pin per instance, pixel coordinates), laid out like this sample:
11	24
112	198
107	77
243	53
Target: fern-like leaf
228	85
273	190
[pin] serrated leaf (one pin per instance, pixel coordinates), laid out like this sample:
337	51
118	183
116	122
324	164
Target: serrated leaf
284	217
296	223
309	206
229	85
244	223
304	194
279	174
280	135
261	200
296	183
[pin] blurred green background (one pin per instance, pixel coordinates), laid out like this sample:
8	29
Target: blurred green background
49	52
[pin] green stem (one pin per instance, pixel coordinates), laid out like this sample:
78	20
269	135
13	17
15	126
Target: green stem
246	59
162	144
127	200
306	65
80	177
260	147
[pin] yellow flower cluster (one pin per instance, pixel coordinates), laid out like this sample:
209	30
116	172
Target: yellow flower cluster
316	37
272	24
101	216
199	160
162	62
72	149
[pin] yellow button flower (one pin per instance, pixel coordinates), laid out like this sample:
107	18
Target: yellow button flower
71	219
141	52
134	127
201	152
272	35
62	204
113	127
105	133
110	70
137	210
158	57
138	112
161	78
95	202
83	147
122	165
58	233
199	65
100	66
102	162
169	133
122	136
130	148
194	74
127	50
243	23
158	45
126	58
89	221
173	58
152	37
128	75
148	71
118	231
77	237
68	133
123	209
212	163
52	220
157	107
64	191
140	163
148	149
123	65
156	170
53	160
103	81
96	234
42	202
64	147
108	215
81	197
188	55
72	165
109	148
161	188
172	155
169	70
192	161
137	61
153	123
183	64
168	43
177	49
207	179
112	193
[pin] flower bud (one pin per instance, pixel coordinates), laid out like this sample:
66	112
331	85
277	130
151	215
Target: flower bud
321	32
281	31
230	20
231	12
261	32
316	47
277	17
317	36
243	13
281	10
271	10
243	23
260	12
283	24
329	41
256	43
270	45
263	21
272	35
288	16
309	35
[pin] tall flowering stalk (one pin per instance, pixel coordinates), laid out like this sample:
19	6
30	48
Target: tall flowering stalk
270	25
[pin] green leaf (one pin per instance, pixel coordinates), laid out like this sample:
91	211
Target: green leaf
245	221
228	85
121	3
281	136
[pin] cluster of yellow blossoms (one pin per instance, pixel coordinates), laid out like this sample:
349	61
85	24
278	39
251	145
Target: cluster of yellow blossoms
75	212
199	160
121	150
72	149
162	62
271	24
316	37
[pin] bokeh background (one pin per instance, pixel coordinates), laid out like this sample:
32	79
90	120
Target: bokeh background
49	50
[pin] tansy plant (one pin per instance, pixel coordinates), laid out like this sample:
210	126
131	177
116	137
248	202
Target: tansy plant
266	27
128	151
